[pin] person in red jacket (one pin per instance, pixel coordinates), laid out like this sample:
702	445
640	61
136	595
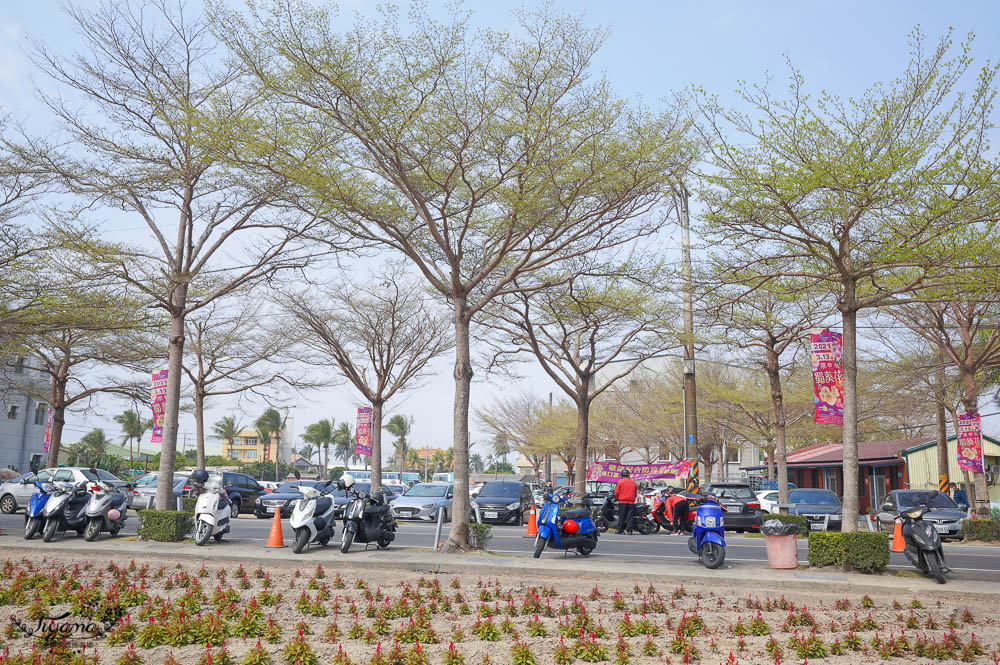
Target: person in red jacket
625	492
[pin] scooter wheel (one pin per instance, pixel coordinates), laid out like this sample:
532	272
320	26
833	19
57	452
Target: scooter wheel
934	567
384	541
712	554
539	546
346	538
601	524
693	545
301	540
586	548
202	533
93	530
49	530
32	527
656	527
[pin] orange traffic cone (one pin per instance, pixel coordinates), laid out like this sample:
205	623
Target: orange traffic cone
898	545
532	524
275	538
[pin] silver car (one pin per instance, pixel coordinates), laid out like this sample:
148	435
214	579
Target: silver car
423	501
14	495
143	494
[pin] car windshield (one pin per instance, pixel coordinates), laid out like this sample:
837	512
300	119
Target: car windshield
913	499
595	487
732	492
359	487
149	480
505	490
106	475
814	497
151	483
293	486
426	490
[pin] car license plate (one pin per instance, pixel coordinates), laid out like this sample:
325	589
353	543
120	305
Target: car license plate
816	526
734	507
269	509
941	528
490	515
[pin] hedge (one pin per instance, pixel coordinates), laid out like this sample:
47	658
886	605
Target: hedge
861	551
164	525
981	529
480	535
798	520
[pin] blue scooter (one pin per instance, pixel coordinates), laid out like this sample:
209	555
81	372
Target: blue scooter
709	539
571	529
34	517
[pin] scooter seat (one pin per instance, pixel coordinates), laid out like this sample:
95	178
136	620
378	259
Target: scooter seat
323	505
575	514
375	510
118	500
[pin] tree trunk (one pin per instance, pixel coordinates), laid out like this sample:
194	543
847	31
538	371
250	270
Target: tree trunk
58	420
377	406
582	441
175	354
199	427
970	400
850	428
326	460
57	402
941	422
548	469
458	537
770	450
778	403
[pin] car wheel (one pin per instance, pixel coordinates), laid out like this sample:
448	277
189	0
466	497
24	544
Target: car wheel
8	504
520	518
235	510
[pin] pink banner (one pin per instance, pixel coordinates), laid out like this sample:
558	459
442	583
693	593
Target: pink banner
828	376
48	435
970	442
158	400
611	472
363	434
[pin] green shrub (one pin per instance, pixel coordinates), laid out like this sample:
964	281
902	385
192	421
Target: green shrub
980	529
480	535
798	520
164	525
861	551
188	504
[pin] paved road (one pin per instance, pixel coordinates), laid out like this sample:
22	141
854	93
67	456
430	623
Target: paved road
970	562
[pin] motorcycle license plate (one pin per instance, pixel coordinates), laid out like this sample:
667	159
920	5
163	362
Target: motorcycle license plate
941	528
490	515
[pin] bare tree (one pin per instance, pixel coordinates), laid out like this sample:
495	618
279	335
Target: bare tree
380	335
514	417
153	123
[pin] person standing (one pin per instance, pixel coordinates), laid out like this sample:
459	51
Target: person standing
958	494
625	493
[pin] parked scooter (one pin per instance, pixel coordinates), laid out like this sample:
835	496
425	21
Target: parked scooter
367	518
922	542
34	516
106	510
607	517
212	510
571	529
312	517
709	539
66	509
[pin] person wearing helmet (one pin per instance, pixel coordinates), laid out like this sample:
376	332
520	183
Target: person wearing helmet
625	493
200	476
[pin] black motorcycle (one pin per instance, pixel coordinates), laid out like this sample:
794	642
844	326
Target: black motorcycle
607	517
367	518
66	509
922	542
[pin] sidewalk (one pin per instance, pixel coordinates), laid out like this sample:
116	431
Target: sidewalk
551	563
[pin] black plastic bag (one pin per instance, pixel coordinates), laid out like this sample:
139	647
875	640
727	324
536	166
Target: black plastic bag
778	528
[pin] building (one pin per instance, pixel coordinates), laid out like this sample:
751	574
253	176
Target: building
248	447
922	465
23	419
305	467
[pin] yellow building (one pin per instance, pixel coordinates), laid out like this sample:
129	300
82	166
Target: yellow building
922	467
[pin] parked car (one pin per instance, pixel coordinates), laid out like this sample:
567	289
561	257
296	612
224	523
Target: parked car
143	494
268	485
816	505
284	496
247	487
504	501
597	493
741	504
944	513
474	491
423	501
768	501
14	495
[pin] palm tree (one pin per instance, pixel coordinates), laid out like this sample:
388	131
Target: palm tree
307	451
449	459
90	449
438	461
476	463
269	424
343	444
321	434
133	426
399	426
414	460
227	429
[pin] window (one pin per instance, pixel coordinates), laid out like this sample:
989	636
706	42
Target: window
41	414
19	365
12	411
249	441
251	454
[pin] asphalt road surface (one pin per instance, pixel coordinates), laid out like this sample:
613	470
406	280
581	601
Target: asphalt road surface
969	562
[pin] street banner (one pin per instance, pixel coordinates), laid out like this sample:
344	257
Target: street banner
828	376
363	433
48	435
970	442
611	472
158	400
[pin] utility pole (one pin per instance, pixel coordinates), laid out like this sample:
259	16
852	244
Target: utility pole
690	393
548	456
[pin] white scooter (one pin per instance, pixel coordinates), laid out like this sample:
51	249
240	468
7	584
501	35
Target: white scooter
212	510
105	511
312	517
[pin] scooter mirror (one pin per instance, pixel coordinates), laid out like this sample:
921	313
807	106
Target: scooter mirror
92	470
933	494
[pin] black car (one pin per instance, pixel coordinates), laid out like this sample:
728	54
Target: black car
284	497
597	493
944	513
504	501
247	487
821	508
741	504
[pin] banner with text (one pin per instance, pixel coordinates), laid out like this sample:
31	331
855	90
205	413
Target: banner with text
48	435
363	433
159	402
828	376
970	442
611	472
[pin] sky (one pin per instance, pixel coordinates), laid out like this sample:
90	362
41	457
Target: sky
654	50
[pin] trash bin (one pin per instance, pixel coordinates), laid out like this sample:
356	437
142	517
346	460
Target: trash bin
780	541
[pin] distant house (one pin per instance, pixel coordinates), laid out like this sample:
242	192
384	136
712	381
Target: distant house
922	465
249	448
304	466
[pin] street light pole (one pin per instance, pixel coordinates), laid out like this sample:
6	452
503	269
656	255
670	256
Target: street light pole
690	388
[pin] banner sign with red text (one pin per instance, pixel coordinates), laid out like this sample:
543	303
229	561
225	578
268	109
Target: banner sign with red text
970	442
828	376
158	399
48	435
363	434
611	472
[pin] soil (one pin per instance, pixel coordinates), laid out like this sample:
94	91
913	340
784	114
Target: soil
606	602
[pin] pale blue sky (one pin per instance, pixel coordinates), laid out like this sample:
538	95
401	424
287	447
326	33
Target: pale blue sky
654	50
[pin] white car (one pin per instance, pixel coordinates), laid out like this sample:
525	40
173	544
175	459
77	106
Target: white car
768	501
